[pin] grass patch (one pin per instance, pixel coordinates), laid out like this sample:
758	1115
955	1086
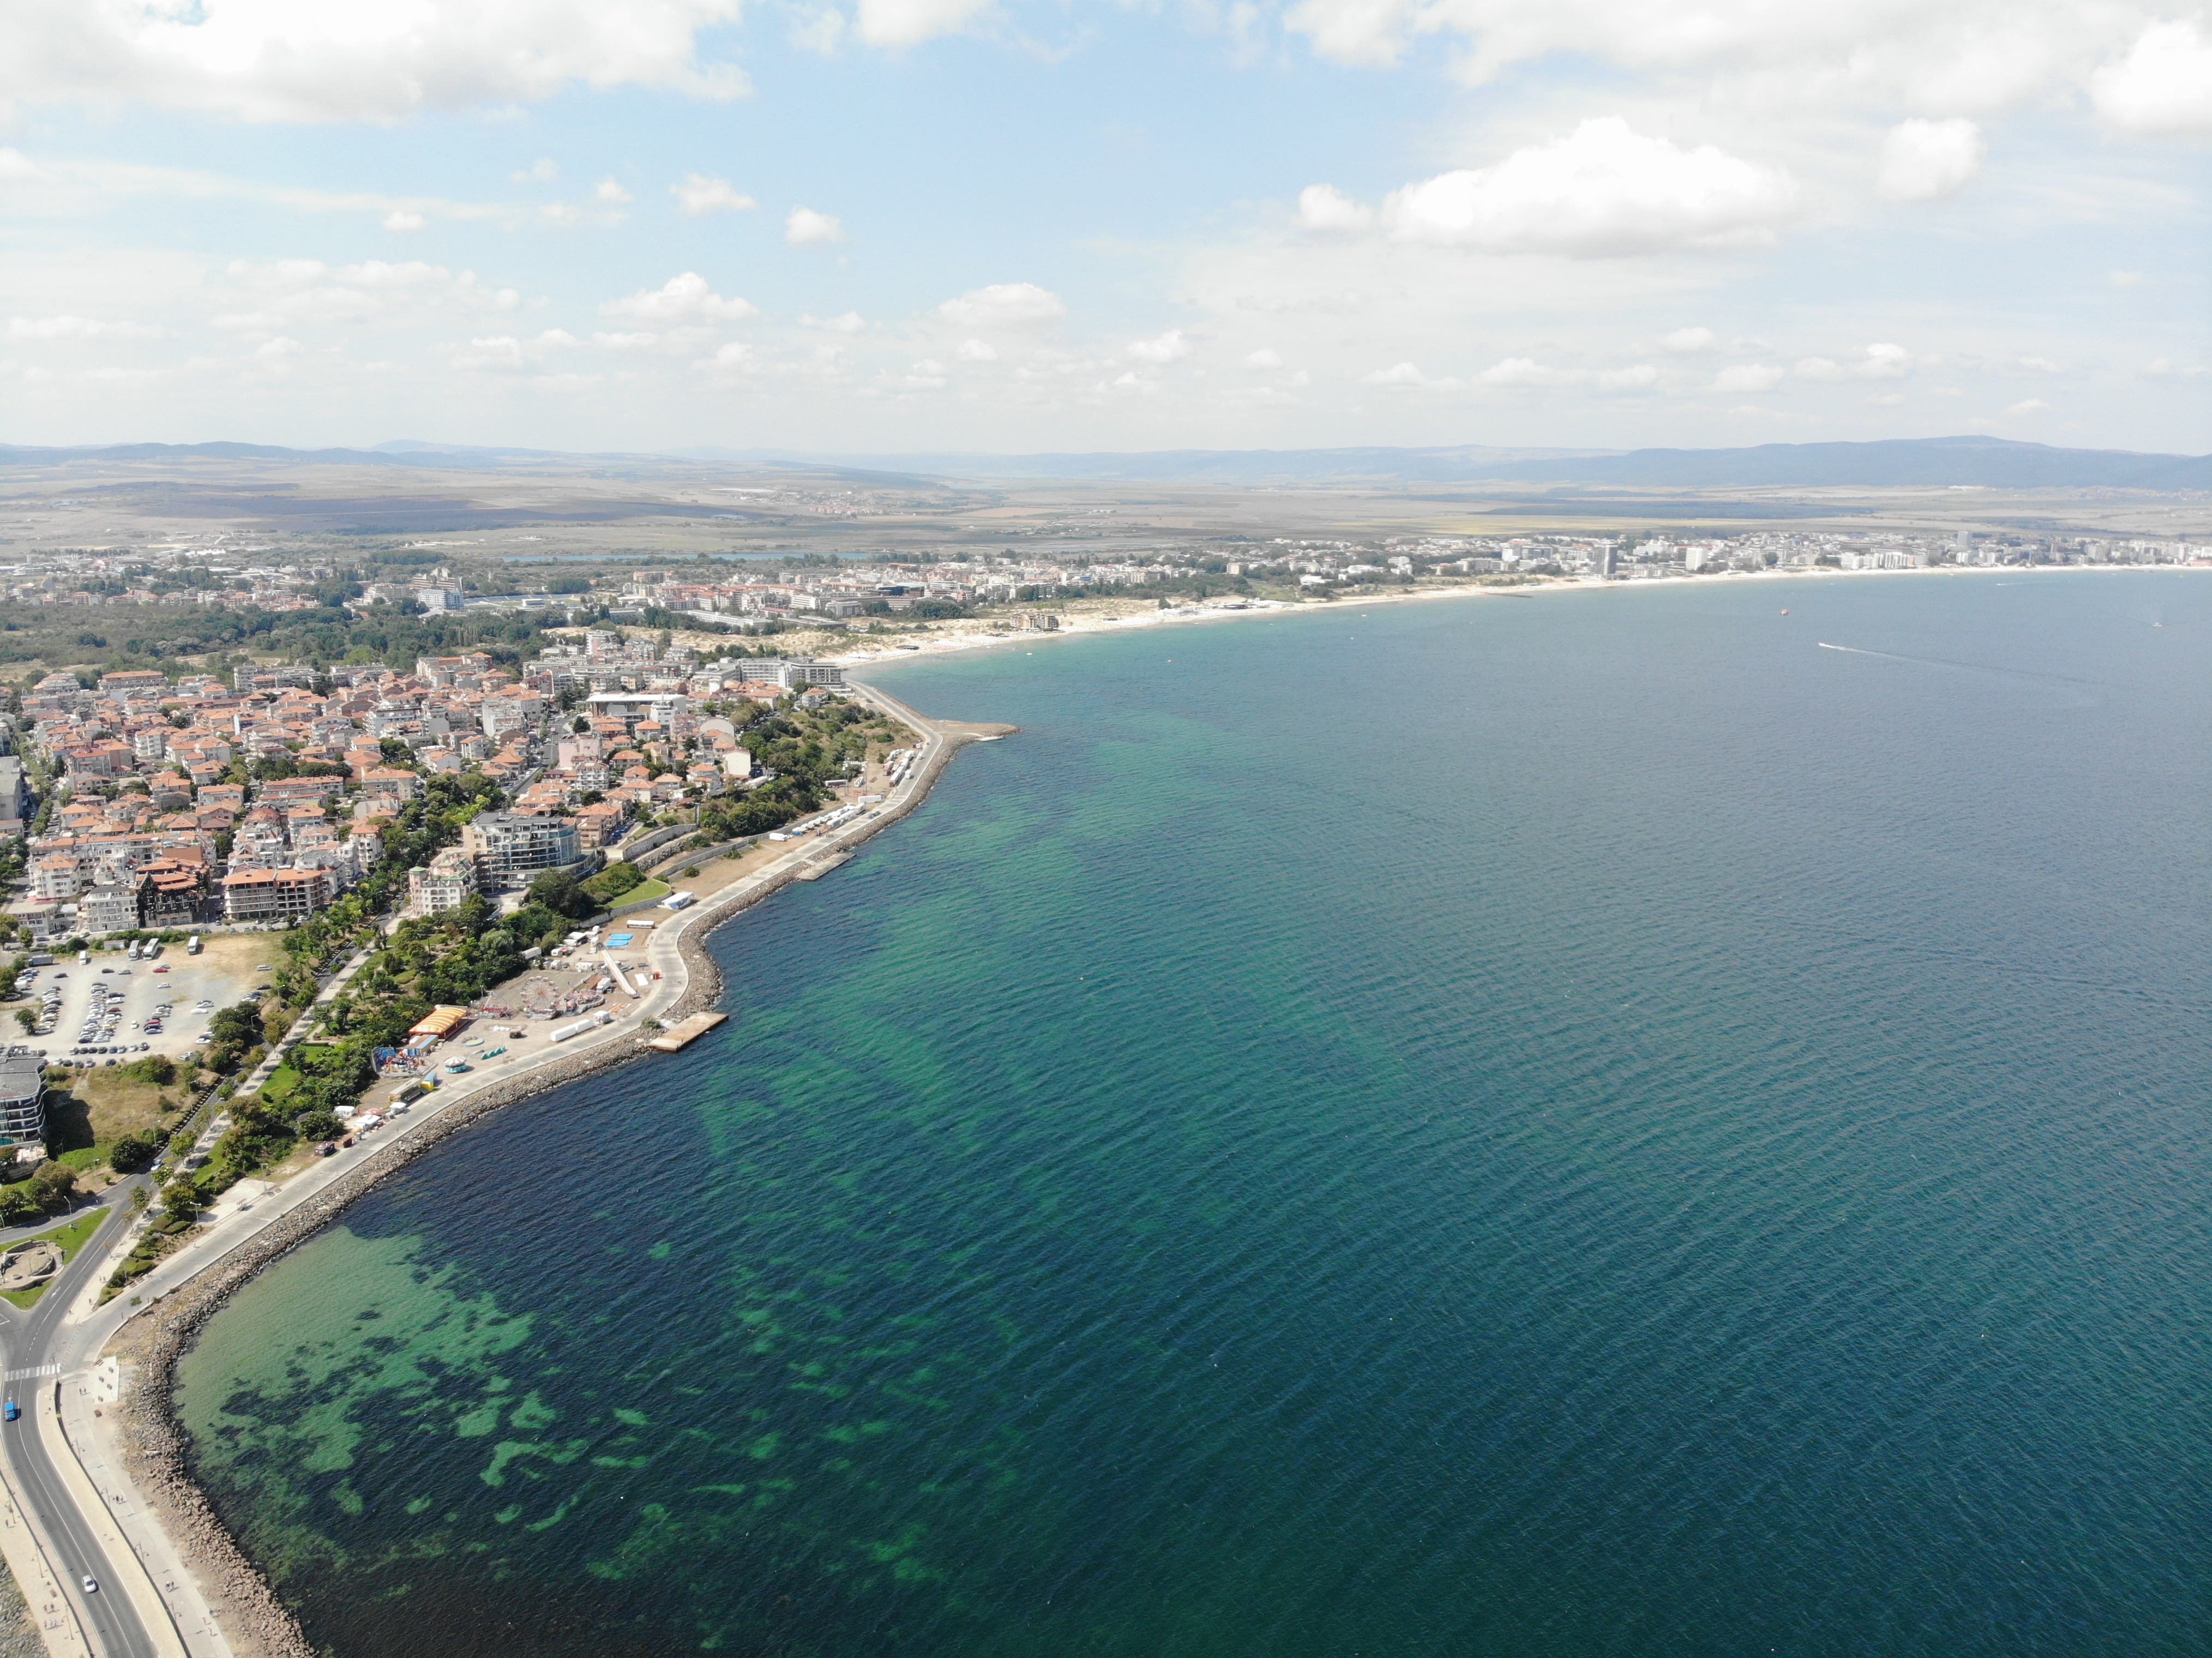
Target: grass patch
68	1237
644	893
110	1105
282	1081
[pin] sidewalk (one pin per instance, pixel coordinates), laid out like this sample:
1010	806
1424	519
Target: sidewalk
105	1511
169	1601
54	1613
173	1604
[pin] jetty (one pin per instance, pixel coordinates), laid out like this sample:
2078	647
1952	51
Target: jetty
684	1032
815	870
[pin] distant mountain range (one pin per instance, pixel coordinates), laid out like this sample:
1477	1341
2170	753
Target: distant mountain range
1985	462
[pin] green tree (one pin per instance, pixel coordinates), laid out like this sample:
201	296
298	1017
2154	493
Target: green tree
181	1198
560	893
55	1187
133	1152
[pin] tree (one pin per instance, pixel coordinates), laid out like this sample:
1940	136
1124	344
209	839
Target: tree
560	893
18	1207
319	1126
181	1198
28	1019
133	1152
55	1187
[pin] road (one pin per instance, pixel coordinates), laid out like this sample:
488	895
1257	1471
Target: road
29	1341
42	1339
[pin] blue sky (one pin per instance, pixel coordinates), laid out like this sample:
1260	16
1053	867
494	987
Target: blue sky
931	224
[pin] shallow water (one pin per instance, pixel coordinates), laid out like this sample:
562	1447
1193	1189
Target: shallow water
1581	1124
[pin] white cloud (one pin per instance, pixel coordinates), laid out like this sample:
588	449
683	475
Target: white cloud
1324	207
1879	363
1604	189
910	22
1968	56
400	219
272	350
507	351
850	322
612	193
284	292
2033	406
2127	279
2039	366
1747	377
686	298
1003	305
78	328
819	29
1404	376
14	164
541	171
976	351
1523	370
337	60
1636	379
634	342
1527	370
730	364
699	194
1266	357
804	228
1926	161
1690	340
1170	347
2163	86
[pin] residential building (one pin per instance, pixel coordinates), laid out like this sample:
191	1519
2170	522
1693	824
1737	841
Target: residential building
448	883
509	847
22	1095
274	895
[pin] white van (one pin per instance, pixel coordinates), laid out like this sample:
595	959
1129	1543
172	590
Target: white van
193	945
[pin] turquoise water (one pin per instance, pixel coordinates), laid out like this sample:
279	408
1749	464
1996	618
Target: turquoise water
1575	1124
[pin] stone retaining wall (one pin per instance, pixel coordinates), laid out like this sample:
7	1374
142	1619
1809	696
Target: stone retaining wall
154	1442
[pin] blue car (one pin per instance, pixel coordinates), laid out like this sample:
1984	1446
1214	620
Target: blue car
8	1413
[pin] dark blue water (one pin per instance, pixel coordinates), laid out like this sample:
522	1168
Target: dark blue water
1577	1124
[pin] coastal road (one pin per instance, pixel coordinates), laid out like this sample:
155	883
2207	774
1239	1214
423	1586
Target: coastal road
28	1343
78	1534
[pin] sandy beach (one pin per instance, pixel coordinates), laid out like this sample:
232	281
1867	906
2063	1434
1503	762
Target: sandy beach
984	635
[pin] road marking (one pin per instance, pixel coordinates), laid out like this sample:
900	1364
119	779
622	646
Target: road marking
34	1371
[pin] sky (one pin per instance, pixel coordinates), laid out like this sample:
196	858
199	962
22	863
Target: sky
898	226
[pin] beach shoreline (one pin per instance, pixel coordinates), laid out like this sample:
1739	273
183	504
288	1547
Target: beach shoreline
149	1443
1081	626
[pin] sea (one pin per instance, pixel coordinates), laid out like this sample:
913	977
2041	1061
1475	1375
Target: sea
1665	1121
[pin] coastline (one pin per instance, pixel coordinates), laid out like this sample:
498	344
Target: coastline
150	1441
1204	610
150	1340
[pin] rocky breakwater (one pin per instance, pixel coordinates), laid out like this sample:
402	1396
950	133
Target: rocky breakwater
154	1442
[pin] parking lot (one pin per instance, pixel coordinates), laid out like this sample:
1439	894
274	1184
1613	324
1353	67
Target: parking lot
108	1002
